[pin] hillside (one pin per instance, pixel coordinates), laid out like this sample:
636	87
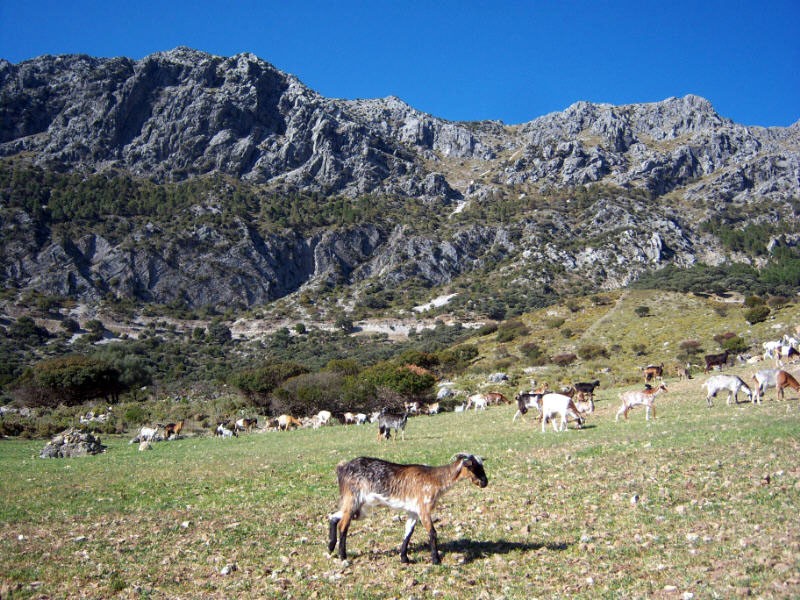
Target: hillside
206	182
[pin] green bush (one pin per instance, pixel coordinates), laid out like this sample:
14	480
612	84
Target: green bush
510	330
592	351
757	314
67	380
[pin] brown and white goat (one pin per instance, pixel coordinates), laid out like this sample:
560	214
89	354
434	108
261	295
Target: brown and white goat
286	422
653	371
640	398
171	429
365	482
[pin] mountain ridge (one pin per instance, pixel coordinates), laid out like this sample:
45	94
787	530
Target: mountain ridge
595	193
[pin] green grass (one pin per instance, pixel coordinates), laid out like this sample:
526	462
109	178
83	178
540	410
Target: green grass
557	518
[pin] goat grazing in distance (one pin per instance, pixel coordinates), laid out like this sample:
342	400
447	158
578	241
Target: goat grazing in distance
553	404
715	360
245	424
287	421
653	371
730	383
388	421
640	398
776	378
365	482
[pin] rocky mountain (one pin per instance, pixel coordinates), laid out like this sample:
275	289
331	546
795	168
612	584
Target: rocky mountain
596	194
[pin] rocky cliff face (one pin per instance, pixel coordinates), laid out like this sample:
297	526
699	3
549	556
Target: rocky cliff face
661	169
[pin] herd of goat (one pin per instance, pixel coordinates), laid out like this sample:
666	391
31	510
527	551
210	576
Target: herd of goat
415	489
572	403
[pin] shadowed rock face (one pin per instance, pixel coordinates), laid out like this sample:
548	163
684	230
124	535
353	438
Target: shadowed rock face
181	114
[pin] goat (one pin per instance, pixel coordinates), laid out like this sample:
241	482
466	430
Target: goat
553	404
525	401
287	421
412	408
652	371
432	409
171	429
732	384
459	408
715	360
478	401
634	398
495	398
587	387
146	434
361	418
245	424
365	482
349	418
388	421
776	378
224	432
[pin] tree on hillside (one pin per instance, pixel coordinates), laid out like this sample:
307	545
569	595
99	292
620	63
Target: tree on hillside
67	380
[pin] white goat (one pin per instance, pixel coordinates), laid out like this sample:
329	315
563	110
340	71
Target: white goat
732	384
322	418
766	378
553	404
146	434
640	398
478	401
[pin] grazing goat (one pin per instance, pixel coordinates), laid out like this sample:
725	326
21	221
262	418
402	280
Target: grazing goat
287	421
776	378
460	407
432	409
715	360
365	482
349	418
245	424
496	398
388	421
146	434
478	401
732	384
323	417
638	398
553	404
653	371
224	432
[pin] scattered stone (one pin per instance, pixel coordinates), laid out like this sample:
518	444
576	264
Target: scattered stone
228	569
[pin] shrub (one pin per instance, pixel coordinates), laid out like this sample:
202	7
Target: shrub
510	330
554	322
456	360
638	349
257	384
564	359
753	301
67	380
533	353
592	351
757	314
642	311
735	344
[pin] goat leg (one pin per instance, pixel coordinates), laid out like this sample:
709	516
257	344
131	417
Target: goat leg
333	533
410	524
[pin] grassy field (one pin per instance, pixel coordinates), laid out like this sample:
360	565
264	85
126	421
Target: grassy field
700	501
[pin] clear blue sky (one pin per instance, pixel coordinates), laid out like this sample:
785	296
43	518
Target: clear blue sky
460	59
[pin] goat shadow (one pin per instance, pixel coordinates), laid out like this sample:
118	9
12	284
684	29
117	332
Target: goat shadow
474	550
